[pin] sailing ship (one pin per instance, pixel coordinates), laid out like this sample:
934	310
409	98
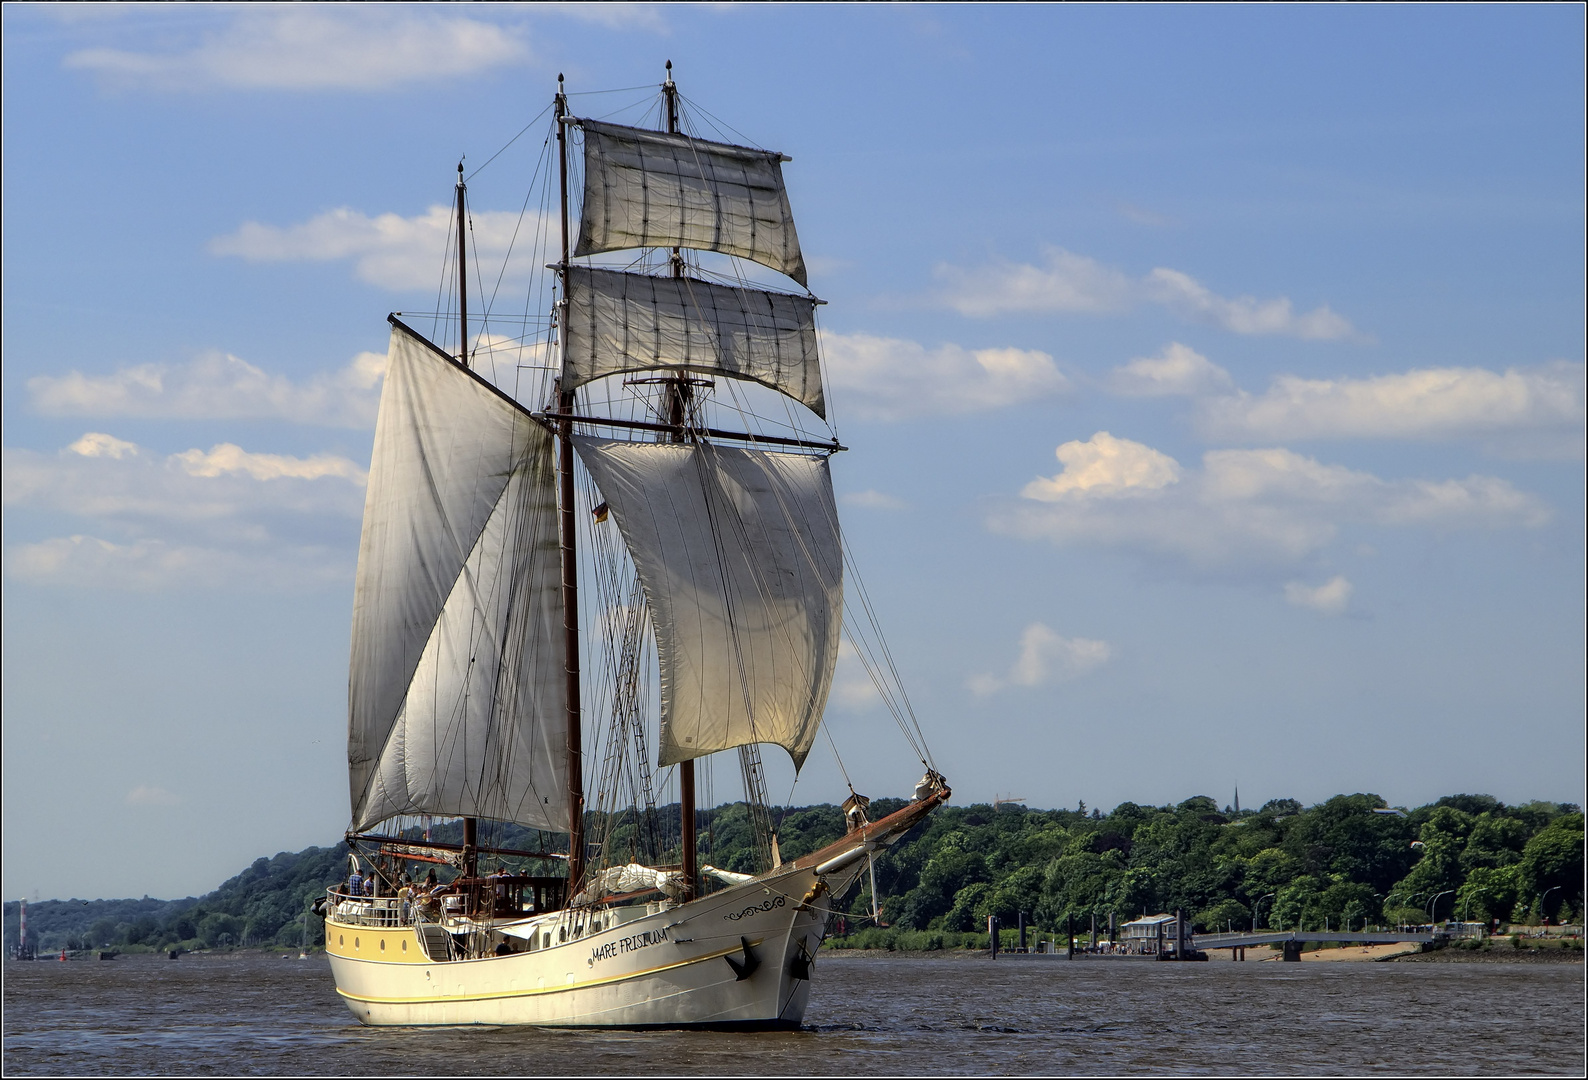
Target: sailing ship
712	538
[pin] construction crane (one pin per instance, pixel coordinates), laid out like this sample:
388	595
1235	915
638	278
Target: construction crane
999	800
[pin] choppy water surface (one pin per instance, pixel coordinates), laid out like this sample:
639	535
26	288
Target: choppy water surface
251	1014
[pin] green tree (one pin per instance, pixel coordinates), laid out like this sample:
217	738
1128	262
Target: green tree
1553	859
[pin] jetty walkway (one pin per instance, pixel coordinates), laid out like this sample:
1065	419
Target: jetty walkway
1292	940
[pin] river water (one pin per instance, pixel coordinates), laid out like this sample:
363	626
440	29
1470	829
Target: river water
251	1013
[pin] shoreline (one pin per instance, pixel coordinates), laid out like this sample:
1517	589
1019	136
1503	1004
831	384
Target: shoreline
1500	954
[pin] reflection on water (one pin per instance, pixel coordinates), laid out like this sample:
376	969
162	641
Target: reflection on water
250	1013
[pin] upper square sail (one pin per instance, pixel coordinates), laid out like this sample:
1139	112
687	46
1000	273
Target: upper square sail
647	188
739	555
618	322
456	692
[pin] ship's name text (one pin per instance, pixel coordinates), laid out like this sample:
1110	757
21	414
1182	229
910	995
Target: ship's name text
628	944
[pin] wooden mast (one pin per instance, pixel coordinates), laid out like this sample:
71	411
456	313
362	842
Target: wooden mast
570	565
471	826
678	393
463	280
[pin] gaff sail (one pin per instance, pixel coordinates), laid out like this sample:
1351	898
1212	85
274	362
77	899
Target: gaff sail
657	189
456	692
618	322
738	553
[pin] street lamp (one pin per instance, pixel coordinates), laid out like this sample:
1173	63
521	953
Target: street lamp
1260	899
1434	901
1541	899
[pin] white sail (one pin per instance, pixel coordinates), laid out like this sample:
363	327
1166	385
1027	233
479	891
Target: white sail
619	322
456	696
738	552
655	189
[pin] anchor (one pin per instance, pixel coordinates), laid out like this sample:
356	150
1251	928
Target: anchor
743	969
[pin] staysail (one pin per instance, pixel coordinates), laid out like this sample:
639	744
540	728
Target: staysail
456	692
657	189
618	322
738	553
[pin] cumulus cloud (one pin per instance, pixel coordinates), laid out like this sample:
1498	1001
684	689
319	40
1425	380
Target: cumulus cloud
879	378
217	386
1330	598
221	484
1104	465
1067	282
1424	403
1046	657
389	250
874	500
308	48
225	458
1177	371
199	518
1241	508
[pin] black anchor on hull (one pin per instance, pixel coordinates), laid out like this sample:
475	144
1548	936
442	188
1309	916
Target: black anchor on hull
799	965
743	969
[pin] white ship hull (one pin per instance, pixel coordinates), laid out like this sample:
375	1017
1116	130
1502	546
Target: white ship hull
743	956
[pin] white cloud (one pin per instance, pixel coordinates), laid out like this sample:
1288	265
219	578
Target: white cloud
1067	282
853	687
880	378
1244	314
874	500
1104	465
392	251
1176	371
151	795
221	484
1244	509
1045	657
217	386
614	16
1330	598
98	444
307	48
1425	403
88	562
231	458
221	517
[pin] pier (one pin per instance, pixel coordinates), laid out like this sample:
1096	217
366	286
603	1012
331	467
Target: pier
1293	940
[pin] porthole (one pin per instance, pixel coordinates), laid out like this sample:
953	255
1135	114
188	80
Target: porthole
382	944
405	946
340	940
355	943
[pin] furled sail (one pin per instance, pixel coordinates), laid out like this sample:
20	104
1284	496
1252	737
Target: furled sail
654	189
738	553
619	322
456	695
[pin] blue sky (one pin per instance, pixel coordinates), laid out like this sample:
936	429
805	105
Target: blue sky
1214	378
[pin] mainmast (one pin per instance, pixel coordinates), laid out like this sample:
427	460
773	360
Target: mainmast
471	826
463	278
570	564
678	393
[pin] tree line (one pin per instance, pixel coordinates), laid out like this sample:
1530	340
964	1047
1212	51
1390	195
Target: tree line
1348	861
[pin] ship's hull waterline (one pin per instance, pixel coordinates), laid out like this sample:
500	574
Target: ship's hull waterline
740	957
